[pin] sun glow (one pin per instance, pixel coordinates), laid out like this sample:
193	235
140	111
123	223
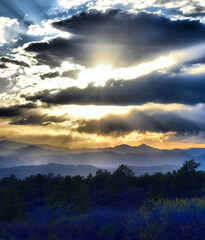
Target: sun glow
100	74
144	68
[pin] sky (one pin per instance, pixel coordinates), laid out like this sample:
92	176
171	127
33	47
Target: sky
100	73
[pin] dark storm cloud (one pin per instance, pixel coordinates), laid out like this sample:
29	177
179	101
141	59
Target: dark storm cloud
26	106
16	62
118	37
141	121
49	75
14	111
9	112
20	115
37	119
56	50
71	74
2	66
199	60
115	24
29	13
157	88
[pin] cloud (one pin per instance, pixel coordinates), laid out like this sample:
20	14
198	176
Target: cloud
153	121
71	3
192	8
16	62
156	88
71	74
37	119
198	11
26	114
67	74
185	8
8	30
116	37
9	112
3	84
56	50
19	19
2	66
50	75
16	110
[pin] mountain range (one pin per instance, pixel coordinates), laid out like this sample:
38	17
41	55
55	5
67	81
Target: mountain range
141	158
73	170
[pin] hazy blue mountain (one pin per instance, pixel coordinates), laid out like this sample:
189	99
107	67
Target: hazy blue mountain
141	149
107	159
16	154
33	150
64	170
10	161
73	170
54	148
4	151
201	160
12	145
194	152
153	169
121	149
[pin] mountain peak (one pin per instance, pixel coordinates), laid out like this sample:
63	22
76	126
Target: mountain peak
141	149
144	147
122	146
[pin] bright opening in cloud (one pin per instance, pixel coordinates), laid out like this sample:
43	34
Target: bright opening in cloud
100	74
144	68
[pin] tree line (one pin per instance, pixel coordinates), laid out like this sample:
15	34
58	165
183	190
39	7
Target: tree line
120	189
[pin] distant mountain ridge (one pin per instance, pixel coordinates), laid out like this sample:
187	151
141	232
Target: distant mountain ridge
12	144
63	170
73	170
14	154
143	148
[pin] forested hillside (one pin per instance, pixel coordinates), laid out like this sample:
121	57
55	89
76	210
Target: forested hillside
104	206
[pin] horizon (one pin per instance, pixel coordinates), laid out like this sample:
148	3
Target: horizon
90	74
143	144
